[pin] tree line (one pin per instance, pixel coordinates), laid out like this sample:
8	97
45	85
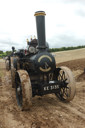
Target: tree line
4	54
65	48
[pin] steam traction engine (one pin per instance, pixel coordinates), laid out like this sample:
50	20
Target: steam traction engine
36	73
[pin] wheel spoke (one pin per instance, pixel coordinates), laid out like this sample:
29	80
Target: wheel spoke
63	76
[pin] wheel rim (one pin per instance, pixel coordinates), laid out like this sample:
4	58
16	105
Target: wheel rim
18	90
64	91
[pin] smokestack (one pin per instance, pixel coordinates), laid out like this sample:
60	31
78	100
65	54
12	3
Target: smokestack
40	23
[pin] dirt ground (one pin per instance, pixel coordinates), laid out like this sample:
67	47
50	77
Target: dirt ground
47	111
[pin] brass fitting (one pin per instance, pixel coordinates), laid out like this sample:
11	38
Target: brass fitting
39	13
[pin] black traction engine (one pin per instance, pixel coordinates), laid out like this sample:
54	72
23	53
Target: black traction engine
36	73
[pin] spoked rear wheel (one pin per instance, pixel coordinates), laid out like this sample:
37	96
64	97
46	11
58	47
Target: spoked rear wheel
23	90
67	88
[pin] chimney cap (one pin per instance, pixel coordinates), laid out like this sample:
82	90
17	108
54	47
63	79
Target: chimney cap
40	13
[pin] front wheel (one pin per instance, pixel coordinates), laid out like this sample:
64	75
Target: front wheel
23	89
67	88
13	71
7	65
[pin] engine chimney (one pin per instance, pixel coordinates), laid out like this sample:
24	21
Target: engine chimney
40	23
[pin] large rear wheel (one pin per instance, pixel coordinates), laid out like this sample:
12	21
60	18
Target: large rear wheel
67	89
23	90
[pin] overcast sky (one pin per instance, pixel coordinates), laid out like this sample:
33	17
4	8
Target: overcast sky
65	22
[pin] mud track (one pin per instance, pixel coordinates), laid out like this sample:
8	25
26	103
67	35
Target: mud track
47	111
